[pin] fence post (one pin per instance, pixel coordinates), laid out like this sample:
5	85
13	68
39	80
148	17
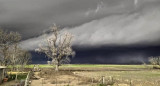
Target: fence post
78	81
103	80
27	79
68	81
130	82
92	81
56	81
42	82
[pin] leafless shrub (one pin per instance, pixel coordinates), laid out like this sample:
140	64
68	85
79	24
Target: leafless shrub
155	61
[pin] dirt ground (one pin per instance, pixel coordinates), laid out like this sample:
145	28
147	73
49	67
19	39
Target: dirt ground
61	78
8	83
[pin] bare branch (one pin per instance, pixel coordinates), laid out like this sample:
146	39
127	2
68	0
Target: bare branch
58	49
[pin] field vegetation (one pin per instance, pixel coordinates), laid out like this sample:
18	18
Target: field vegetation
93	75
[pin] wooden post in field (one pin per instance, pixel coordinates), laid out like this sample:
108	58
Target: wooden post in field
68	81
42	82
92	81
56	81
130	82
103	80
111	78
78	81
38	67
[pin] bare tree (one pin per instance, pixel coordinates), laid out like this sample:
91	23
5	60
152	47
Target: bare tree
9	50
58	47
154	60
24	58
18	58
14	60
7	40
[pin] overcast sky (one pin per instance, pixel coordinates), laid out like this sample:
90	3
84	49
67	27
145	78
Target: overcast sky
93	23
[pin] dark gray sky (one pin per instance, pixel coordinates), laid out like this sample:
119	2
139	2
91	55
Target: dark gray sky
31	17
93	23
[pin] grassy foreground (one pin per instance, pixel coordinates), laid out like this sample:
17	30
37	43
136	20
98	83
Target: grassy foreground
120	75
83	74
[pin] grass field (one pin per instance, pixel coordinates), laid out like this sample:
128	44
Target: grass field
137	75
82	75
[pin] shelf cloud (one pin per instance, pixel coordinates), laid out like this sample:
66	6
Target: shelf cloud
93	23
139	28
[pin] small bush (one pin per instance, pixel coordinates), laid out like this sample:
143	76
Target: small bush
20	77
155	61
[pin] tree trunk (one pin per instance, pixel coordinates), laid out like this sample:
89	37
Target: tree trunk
22	68
57	67
16	73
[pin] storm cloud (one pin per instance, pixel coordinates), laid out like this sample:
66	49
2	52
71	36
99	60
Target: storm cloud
92	22
32	17
138	27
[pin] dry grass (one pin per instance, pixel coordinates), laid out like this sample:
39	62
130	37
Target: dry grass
91	76
135	78
65	77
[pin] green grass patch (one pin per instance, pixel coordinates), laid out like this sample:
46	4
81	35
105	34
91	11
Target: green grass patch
87	65
103	66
